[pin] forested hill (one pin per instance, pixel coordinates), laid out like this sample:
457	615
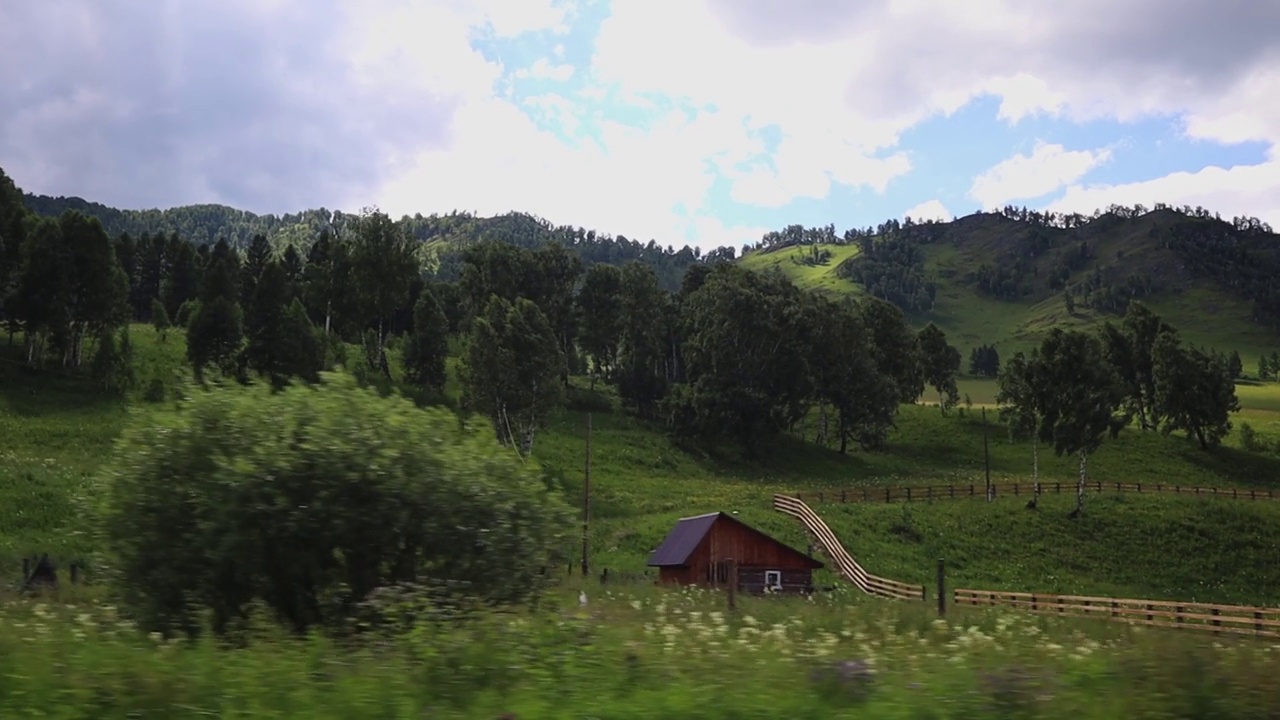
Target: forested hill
1013	274
988	277
444	235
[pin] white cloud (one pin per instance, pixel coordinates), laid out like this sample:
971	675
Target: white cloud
1249	190
645	184
542	69
1025	177
834	75
929	210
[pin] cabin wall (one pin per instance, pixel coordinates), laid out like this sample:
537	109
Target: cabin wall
752	580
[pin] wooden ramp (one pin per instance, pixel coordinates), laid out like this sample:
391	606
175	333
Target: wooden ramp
844	562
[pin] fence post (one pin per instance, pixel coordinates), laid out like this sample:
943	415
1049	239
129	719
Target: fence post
75	573
942	588
733	585
26	569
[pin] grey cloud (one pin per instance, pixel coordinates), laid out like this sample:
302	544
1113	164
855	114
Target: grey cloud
782	22
1162	47
166	103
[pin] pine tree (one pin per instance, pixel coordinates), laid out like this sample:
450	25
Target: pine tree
427	346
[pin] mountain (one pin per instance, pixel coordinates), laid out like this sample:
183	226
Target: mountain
997	278
1003	278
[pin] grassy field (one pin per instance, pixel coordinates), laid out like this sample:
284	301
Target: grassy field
788	262
636	651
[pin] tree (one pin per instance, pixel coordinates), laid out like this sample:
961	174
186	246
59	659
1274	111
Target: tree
599	304
159	318
940	363
427	347
216	329
1264	368
845	377
265	324
744	354
557	272
1235	366
1129	351
1020	406
512	370
896	348
1194	391
1079	398
308	500
382	265
642	370
300	351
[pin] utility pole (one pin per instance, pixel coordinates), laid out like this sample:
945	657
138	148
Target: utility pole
986	452
586	498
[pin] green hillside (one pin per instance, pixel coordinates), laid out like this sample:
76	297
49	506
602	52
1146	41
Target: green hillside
1000	280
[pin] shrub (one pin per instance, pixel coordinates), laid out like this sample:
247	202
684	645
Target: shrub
305	501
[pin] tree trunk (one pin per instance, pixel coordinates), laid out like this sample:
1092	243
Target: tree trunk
1084	459
822	425
1035	465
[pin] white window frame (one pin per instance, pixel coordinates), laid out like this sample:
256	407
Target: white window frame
773	579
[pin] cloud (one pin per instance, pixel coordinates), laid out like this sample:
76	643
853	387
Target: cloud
268	106
1243	190
833	74
1025	177
542	69
929	210
645	183
279	105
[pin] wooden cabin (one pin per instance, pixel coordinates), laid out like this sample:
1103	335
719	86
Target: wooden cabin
698	551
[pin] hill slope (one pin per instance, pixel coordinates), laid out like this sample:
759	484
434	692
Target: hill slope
987	278
1002	278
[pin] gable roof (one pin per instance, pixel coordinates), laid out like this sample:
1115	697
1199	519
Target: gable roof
683	539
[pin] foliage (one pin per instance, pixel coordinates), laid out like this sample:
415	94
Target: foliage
427	347
309	499
511	370
940	362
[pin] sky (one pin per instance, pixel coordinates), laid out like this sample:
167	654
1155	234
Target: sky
702	122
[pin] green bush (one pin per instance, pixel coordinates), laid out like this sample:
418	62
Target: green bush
305	501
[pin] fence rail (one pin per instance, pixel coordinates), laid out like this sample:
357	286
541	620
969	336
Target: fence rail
845	564
910	493
1237	619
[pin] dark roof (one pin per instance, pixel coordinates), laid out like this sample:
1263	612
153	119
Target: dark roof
688	532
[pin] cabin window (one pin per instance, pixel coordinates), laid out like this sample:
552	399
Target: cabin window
773	579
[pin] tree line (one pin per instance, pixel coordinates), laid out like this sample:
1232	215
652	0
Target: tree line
1078	388
732	354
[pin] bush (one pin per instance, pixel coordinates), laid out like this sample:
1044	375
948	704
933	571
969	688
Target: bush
305	501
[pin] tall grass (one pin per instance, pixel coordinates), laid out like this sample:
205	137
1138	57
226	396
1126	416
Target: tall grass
643	653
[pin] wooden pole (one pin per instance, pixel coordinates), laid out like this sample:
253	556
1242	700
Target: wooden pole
733	585
942	588
586	498
986	452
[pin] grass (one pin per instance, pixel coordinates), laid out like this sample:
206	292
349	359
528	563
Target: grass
639	651
636	652
1155	547
788	262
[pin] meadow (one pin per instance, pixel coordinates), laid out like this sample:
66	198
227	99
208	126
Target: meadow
636	651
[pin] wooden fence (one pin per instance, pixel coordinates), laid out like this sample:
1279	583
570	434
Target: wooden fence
909	493
845	564
1238	619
